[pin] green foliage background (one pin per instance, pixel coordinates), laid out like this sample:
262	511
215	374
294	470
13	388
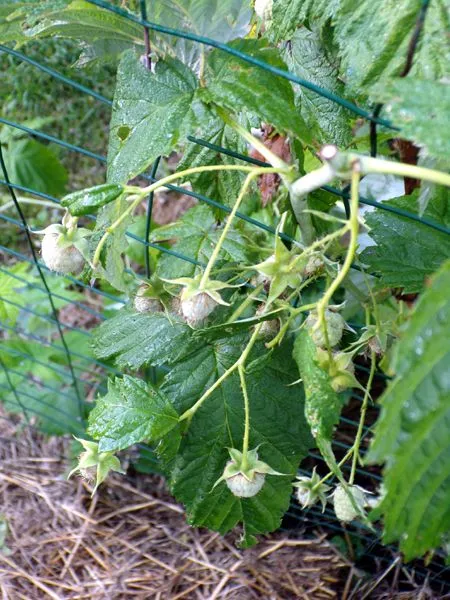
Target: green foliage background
357	53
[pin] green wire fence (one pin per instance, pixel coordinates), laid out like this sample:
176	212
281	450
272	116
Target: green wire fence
81	372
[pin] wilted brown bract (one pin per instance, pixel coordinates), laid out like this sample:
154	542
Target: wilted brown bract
268	183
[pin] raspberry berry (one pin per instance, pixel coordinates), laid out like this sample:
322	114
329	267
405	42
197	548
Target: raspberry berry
144	302
196	309
335	324
245	477
60	256
344	508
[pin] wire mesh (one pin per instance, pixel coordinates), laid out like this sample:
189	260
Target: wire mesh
83	380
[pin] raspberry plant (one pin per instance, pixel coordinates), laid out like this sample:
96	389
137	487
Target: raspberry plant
253	333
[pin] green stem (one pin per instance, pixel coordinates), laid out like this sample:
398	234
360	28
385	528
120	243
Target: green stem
274	160
72	226
375	165
188	414
362	418
296	311
142	192
298	202
23	200
246	438
249	299
201	71
215	254
299	205
330	474
354	232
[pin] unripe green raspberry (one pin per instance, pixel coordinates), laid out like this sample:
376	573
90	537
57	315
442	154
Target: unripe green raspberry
175	305
310	490
335	327
343	507
313	266
62	259
144	303
242	487
263	8
342	381
245	476
268	328
197	308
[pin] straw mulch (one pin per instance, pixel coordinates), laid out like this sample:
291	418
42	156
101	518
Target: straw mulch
132	541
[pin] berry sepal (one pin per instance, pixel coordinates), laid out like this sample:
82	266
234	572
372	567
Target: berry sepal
245	478
310	490
340	368
198	299
92	460
64	246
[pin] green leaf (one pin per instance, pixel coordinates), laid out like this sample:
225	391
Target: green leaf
277	423
11	17
9	287
15	353
16	18
196	236
238	86
288	15
309	57
112	266
197	459
222	186
37	298
31	164
221	20
132	411
103	35
322	404
431	192
420	108
374	37
8	133
412	432
151	111
56	413
407	252
83	21
101	53
84	202
138	339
